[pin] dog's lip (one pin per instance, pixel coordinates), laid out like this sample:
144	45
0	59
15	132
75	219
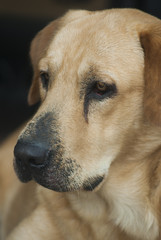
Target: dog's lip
93	183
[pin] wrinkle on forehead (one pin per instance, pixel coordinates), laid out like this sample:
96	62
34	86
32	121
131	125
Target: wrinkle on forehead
91	40
74	36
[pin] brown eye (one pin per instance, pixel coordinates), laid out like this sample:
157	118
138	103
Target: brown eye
101	87
44	76
100	90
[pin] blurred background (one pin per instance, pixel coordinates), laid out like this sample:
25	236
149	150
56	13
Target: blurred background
20	20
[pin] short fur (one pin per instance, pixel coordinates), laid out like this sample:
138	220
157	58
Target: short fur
104	151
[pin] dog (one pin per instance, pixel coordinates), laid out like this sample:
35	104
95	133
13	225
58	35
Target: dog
93	148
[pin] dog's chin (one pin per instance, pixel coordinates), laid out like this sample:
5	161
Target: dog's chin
60	186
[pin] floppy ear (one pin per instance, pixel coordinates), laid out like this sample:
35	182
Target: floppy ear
38	50
151	43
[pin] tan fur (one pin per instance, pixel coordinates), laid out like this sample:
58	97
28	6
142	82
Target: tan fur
119	138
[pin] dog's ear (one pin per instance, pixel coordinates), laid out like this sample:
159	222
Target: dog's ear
150	39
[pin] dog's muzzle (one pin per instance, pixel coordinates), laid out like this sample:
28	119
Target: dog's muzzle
39	155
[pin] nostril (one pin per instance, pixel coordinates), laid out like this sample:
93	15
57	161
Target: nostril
34	161
38	160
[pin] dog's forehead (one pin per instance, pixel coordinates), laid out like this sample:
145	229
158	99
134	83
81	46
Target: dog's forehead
104	39
91	31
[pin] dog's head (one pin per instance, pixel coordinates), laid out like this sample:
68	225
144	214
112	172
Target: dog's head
97	77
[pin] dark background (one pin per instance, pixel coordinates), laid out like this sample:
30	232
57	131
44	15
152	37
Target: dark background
20	20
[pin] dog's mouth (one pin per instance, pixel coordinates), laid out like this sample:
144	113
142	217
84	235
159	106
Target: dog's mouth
55	173
55	179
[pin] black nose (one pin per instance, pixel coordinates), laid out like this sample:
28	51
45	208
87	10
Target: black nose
31	154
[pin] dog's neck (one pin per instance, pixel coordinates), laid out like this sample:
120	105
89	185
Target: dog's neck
133	189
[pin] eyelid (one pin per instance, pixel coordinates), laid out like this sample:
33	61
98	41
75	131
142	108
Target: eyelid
43	65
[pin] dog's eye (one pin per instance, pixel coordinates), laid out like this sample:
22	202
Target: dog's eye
100	90
44	76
